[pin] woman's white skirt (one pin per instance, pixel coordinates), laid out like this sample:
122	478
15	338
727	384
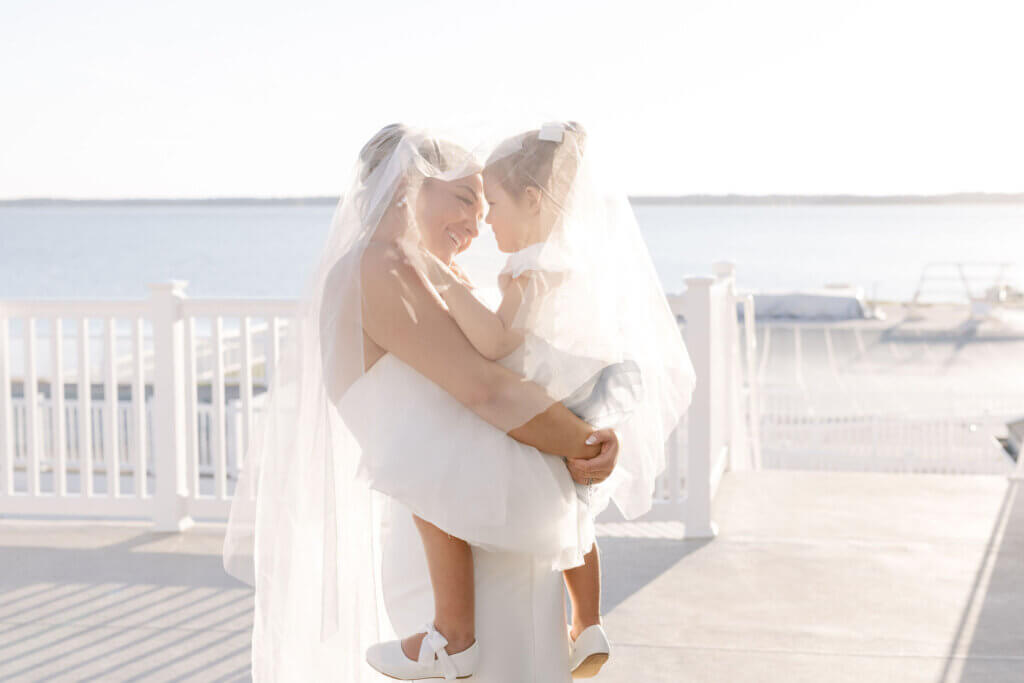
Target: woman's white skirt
519	605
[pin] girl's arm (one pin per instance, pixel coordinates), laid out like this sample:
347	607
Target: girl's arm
405	316
488	331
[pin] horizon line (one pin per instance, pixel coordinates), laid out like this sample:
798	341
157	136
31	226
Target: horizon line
700	198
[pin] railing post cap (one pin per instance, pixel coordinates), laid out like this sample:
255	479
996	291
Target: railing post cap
723	268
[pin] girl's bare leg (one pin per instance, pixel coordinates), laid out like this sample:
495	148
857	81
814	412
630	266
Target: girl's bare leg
584	584
450	561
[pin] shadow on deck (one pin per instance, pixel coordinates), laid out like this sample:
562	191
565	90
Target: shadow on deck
816	576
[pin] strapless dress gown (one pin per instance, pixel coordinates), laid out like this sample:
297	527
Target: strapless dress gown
428	454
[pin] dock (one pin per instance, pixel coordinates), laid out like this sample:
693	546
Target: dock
813	576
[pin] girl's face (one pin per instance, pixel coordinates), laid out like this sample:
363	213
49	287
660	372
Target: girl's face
513	219
448	212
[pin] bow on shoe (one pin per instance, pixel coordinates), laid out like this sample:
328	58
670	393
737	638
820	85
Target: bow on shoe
434	643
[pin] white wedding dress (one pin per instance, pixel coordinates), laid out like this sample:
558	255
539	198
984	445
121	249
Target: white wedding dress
515	505
321	522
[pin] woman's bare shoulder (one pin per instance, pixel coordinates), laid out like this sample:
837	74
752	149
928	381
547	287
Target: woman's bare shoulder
390	278
379	253
383	262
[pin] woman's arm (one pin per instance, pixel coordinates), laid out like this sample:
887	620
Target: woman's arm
406	317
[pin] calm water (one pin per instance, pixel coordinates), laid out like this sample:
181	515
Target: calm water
113	251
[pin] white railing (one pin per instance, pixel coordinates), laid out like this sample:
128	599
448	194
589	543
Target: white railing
964	281
883	443
127	448
176	453
170	446
720	429
845	396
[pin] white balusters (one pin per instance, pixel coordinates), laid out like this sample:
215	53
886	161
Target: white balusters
191	407
6	411
219	436
30	389
59	453
273	352
245	387
753	374
139	405
111	451
84	411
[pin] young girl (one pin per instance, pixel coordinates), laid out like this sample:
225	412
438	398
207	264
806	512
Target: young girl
527	183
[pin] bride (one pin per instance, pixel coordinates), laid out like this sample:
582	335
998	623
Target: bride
333	563
383	425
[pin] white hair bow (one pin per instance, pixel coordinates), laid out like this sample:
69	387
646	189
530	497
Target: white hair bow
552	132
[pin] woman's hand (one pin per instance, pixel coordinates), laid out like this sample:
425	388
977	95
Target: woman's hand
599	467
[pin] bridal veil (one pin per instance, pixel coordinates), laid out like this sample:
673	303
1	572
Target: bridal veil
304	527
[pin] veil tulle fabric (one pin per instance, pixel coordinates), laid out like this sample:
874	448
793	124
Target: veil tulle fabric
595	297
304	528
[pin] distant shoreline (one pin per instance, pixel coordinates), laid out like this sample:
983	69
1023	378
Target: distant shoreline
639	200
784	199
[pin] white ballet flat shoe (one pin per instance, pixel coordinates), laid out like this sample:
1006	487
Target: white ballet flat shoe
589	652
433	660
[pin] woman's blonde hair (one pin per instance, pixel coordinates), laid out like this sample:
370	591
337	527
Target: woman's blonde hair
438	155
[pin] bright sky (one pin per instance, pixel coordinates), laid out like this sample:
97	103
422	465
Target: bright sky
197	98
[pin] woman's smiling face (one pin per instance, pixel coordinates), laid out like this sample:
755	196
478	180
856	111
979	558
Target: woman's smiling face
448	212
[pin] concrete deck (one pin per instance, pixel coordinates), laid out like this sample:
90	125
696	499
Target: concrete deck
814	576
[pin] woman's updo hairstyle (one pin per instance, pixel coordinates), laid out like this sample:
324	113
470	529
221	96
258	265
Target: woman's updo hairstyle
436	156
381	146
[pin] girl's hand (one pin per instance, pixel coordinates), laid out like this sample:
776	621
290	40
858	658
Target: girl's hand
503	281
599	467
438	271
460	274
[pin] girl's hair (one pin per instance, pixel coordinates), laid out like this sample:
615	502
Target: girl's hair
439	155
545	164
